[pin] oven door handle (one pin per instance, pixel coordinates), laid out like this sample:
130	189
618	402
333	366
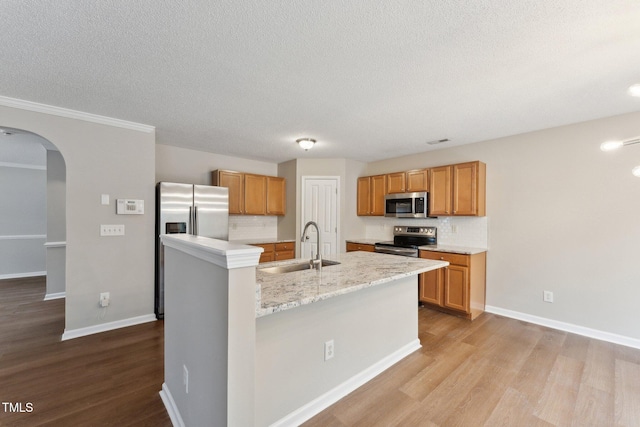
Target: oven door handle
395	251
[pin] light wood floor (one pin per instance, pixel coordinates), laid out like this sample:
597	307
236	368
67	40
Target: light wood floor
493	372
497	371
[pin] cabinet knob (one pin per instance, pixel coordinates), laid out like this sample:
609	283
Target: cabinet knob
442	258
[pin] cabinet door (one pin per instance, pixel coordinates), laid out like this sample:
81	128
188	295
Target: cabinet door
364	197
431	287
396	183
234	181
440	191
456	288
378	191
465	189
269	254
255	191
418	180
275	195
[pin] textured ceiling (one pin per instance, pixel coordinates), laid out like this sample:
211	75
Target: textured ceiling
368	79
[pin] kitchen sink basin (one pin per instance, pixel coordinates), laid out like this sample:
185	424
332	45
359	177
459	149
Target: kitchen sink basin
288	268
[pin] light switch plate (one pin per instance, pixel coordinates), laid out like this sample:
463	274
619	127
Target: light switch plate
112	230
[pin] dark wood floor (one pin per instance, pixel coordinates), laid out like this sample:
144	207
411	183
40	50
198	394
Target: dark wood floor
107	379
493	371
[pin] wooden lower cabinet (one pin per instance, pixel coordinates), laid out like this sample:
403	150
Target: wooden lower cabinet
277	251
457	289
351	247
285	250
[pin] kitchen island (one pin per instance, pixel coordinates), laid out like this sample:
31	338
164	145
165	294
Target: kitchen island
247	347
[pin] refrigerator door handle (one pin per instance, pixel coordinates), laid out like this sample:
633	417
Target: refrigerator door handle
195	220
190	228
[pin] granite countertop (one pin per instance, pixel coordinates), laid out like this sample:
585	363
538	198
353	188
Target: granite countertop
357	270
453	249
465	250
364	241
260	241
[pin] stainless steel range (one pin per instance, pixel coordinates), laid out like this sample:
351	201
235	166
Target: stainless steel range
407	239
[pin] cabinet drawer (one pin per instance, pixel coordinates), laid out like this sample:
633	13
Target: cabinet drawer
285	246
268	247
359	247
454	259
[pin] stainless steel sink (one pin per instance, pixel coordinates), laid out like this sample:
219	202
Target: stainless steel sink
288	268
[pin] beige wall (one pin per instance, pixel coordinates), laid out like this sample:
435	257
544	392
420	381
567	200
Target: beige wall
101	159
563	217
174	164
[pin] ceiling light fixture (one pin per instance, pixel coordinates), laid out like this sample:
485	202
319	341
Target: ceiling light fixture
634	90
614	145
306	143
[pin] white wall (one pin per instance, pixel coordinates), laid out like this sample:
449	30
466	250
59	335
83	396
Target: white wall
23	225
562	216
101	159
56	224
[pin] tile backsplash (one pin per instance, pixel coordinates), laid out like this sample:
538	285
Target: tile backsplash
456	231
246	227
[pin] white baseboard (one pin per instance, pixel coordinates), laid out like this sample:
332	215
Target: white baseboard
319	404
170	405
103	327
55	295
23	275
567	327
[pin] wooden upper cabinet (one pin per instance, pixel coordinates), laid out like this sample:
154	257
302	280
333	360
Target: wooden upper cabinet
469	189
396	183
440	191
408	182
255	194
371	192
276	195
458	190
252	194
234	181
417	180
364	197
378	191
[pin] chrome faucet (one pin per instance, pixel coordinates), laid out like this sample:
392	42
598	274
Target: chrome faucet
317	262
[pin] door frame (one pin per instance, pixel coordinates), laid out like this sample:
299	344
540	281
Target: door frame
303	185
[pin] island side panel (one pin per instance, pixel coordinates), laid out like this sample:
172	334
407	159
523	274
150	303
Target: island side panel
196	326
366	326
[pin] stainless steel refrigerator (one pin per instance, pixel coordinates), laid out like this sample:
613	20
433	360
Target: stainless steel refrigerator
202	210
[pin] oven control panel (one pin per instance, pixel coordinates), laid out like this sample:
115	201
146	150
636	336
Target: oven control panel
403	230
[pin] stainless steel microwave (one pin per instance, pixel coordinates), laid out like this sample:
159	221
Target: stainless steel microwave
407	205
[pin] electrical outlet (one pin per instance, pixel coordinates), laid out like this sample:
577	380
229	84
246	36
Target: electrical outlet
112	230
185	378
454	228
104	299
547	296
328	350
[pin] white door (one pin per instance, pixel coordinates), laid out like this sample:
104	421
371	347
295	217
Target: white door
320	204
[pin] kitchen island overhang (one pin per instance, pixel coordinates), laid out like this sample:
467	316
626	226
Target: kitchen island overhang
366	305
